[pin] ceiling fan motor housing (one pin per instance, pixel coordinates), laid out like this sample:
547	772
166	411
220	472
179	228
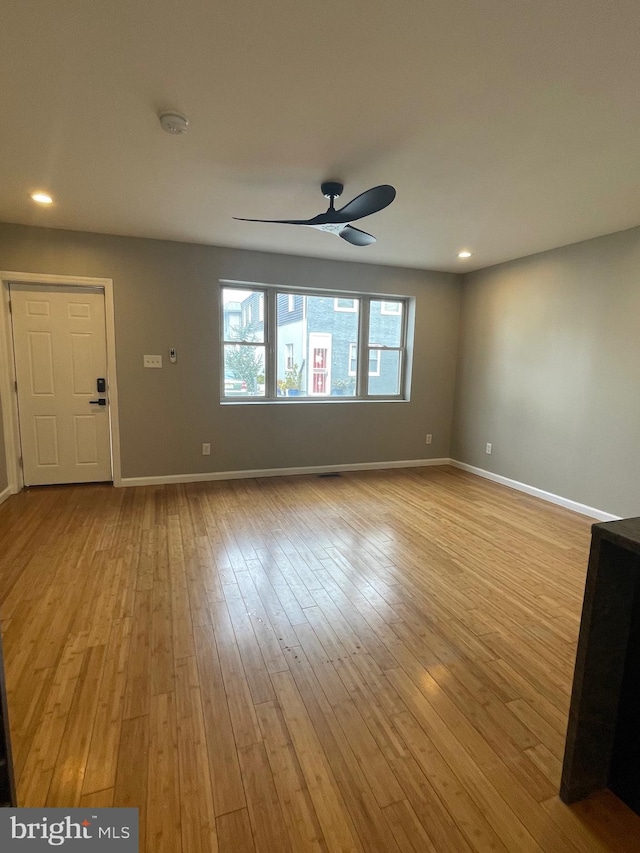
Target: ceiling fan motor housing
332	189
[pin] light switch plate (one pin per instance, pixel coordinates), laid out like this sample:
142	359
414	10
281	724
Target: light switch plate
152	360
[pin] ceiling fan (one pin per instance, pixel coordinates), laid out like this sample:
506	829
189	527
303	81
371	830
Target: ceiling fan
338	221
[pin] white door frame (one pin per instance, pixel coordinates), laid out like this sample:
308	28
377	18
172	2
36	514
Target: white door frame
8	396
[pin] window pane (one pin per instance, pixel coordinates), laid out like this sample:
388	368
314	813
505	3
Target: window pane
388	379
385	328
243	314
316	355
243	370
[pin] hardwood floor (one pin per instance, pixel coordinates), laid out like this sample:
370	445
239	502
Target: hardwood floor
380	661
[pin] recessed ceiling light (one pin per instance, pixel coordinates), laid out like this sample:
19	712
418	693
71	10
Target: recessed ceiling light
464	254
42	198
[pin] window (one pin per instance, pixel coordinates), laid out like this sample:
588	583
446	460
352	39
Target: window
243	345
386	344
353	359
374	361
340	304
310	345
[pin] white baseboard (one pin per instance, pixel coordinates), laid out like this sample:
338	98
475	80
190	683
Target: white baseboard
277	472
168	479
538	493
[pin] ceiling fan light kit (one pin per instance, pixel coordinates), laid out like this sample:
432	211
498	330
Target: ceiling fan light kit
338	221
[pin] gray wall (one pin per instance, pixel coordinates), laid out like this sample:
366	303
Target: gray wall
549	372
166	294
4	480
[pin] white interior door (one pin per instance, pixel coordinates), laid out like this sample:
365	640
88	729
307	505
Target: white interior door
60	353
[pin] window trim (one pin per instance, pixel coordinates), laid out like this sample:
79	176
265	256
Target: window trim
361	305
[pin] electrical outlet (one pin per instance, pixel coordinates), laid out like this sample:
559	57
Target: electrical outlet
429	438
152	360
206	449
488	448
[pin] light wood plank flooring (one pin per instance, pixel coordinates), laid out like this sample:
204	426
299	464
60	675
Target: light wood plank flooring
380	661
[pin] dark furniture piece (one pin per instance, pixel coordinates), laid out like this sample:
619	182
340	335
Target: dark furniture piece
7	785
603	736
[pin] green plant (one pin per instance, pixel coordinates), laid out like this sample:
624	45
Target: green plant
292	378
244	362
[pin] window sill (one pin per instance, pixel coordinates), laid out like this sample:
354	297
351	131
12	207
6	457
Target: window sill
299	401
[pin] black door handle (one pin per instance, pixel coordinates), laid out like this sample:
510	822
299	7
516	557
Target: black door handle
101	402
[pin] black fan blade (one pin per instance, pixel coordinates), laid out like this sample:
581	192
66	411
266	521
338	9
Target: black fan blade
279	221
371	201
356	236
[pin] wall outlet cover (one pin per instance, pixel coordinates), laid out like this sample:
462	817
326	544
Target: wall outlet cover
152	360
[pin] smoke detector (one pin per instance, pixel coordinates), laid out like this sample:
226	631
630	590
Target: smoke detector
173	122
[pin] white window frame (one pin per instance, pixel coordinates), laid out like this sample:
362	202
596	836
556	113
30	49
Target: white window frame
361	303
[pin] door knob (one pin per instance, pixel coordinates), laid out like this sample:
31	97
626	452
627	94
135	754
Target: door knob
101	402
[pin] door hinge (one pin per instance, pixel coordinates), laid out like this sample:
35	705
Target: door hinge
15	385
10	306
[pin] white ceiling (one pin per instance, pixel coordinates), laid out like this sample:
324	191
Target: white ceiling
507	126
